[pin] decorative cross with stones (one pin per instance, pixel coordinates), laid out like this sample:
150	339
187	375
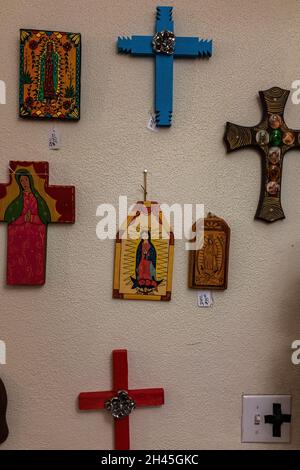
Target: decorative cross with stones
272	138
164	46
120	402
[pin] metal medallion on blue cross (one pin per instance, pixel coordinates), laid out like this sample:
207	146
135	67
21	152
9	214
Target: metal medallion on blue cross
164	46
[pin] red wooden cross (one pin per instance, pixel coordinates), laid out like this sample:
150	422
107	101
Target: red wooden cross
28	204
142	397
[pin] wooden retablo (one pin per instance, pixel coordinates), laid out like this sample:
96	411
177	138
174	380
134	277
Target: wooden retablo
208	268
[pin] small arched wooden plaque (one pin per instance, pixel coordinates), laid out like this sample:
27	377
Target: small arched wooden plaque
208	267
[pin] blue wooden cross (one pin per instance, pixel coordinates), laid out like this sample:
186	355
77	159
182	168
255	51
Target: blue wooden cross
164	46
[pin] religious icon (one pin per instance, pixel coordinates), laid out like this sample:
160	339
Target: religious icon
262	137
273	139
144	255
210	255
145	281
3	407
49	74
273	188
28	204
274	155
274	173
275	121
208	268
288	138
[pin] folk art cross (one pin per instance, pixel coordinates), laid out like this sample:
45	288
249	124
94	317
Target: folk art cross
273	139
28	204
164	46
121	401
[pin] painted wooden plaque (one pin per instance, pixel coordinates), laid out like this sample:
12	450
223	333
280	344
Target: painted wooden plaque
28	204
49	74
144	255
208	267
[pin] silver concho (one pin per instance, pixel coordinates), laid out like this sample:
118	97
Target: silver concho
121	405
164	42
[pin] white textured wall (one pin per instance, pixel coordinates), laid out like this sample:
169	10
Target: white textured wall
60	337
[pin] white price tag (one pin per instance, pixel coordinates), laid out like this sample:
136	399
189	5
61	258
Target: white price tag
2	92
151	123
205	298
54	139
2	352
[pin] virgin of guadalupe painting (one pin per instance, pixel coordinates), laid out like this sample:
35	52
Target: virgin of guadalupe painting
145	280
208	267
28	204
49	74
144	255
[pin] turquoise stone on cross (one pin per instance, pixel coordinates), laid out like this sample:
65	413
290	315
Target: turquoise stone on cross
164	46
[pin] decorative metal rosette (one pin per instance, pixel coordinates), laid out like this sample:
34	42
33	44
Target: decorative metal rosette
164	42
121	405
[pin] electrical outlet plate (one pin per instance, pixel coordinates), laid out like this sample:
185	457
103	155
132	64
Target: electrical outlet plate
255	408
